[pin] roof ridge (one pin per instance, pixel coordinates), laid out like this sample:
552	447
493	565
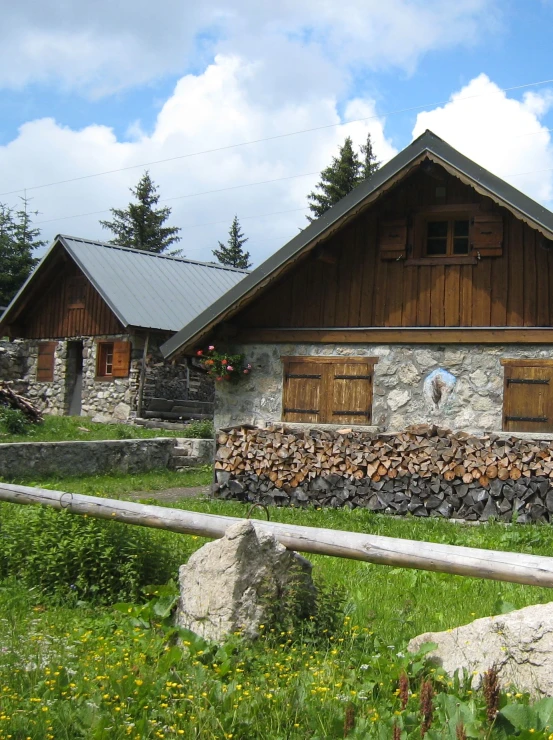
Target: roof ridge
146	253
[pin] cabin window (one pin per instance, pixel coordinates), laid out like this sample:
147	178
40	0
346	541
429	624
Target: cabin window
45	361
328	390
104	364
528	396
447	237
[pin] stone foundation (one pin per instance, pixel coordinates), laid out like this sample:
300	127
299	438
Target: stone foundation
471	379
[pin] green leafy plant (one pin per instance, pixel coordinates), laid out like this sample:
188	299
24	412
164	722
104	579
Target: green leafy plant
14	421
199	429
222	365
79	558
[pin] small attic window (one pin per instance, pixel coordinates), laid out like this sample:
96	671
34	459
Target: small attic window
447	237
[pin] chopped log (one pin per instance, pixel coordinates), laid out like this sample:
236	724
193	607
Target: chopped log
13	400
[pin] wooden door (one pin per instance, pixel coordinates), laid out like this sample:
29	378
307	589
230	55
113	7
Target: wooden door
350	393
528	397
302	395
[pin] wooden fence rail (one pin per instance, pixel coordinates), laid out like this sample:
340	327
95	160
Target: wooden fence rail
533	570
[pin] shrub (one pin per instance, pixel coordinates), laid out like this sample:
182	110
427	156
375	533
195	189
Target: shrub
80	558
14	421
199	429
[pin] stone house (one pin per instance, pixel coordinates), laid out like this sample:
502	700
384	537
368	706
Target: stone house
423	296
87	326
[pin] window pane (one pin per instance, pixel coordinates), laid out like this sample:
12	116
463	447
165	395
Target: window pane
461	245
436	229
461	228
436	246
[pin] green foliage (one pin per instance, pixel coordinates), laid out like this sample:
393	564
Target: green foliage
140	225
222	365
198	429
18	241
342	176
232	253
14	421
79	558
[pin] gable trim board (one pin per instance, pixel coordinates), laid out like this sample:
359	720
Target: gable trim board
426	147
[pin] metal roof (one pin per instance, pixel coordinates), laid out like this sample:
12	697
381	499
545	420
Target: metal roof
427	144
143	289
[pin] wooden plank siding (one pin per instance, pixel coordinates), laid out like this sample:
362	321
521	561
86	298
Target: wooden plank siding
357	288
51	315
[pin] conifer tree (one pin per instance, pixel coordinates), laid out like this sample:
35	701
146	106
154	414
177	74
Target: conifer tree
370	164
232	253
18	240
342	176
140	225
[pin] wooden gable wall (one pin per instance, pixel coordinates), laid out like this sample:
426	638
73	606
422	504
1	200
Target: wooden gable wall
357	288
65	304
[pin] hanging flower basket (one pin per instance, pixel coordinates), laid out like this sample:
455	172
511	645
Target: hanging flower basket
223	366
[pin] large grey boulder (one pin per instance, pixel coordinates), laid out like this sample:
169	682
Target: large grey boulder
233	584
520	644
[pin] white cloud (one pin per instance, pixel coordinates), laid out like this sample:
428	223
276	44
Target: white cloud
105	46
503	134
218	106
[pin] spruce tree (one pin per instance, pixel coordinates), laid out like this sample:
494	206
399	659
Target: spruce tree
342	176
337	180
232	253
369	164
140	225
18	240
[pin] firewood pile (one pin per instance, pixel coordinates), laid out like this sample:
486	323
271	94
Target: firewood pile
424	470
9	398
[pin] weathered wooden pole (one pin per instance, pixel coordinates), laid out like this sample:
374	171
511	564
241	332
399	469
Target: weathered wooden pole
533	570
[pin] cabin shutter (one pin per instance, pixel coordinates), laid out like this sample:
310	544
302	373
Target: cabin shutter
121	359
351	389
392	239
45	364
302	397
487	234
528	396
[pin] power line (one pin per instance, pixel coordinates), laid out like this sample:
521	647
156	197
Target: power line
276	136
180	197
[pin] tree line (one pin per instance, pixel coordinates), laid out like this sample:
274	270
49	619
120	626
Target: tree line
142	224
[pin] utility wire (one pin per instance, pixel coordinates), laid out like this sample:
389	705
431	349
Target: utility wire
276	136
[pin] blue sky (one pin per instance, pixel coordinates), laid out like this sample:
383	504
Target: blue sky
82	92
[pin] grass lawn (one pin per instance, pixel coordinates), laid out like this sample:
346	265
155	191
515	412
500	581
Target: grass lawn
70	669
80	428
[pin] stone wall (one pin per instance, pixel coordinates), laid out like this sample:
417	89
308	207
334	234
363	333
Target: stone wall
13	360
457	386
174	380
27	459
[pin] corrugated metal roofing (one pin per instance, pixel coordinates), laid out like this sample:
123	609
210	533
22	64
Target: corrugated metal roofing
429	143
144	289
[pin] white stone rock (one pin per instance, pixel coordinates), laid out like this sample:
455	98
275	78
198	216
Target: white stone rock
408	374
398	398
479	378
231	584
122	412
425	359
520	644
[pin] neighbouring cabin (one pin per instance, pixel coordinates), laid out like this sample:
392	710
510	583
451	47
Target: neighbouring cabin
424	296
88	326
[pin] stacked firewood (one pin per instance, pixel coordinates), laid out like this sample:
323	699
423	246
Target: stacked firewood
9	398
287	457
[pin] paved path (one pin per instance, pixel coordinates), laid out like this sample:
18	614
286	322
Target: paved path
170	494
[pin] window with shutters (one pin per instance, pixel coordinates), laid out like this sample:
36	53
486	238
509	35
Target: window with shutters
528	395
328	390
113	360
45	361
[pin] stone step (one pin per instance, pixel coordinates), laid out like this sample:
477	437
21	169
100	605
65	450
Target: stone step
184	463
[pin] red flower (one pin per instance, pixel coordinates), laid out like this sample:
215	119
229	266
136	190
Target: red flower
208	362
218	378
199	353
224	362
246	372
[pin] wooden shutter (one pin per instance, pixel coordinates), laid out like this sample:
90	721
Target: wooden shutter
527	400
302	396
392	239
45	364
351	393
121	359
487	234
